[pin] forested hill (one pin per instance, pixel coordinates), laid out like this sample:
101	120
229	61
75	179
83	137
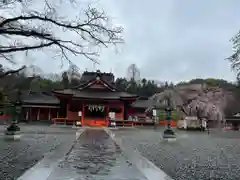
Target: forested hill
147	88
221	83
144	87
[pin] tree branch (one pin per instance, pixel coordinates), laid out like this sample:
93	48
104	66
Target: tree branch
11	71
94	31
16	49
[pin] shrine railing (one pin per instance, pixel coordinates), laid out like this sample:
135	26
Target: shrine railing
133	122
4	119
63	121
122	122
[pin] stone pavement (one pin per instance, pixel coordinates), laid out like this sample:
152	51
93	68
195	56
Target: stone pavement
18	156
125	154
94	156
194	156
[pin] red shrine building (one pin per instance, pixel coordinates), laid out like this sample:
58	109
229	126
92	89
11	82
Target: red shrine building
93	101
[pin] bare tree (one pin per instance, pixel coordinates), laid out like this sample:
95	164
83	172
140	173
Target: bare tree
73	72
133	73
24	27
235	57
197	100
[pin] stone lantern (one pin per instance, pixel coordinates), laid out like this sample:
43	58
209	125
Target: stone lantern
168	133
13	130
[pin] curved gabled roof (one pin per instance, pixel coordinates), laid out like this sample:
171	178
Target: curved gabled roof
108	90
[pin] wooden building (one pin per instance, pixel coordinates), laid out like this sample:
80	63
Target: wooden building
93	99
233	122
38	106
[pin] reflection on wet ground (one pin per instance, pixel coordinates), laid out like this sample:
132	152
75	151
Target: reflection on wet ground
95	156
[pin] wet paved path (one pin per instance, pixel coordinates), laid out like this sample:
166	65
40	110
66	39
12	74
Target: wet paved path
95	157
194	156
17	157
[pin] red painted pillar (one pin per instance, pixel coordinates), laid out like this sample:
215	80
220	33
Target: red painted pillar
122	107
122	114
82	117
67	110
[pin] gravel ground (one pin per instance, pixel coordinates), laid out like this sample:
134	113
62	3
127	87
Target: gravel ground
18	156
96	157
194	156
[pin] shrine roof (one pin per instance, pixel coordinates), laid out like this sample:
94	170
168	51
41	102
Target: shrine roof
88	76
98	78
95	85
148	103
38	98
141	104
74	93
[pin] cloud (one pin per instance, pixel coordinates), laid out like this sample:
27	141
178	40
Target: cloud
167	39
180	40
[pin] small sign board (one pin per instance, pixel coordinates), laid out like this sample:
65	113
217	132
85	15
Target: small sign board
154	112
204	124
113	123
78	123
111	115
79	113
185	124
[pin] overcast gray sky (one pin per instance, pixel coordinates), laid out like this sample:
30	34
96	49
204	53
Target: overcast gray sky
169	39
